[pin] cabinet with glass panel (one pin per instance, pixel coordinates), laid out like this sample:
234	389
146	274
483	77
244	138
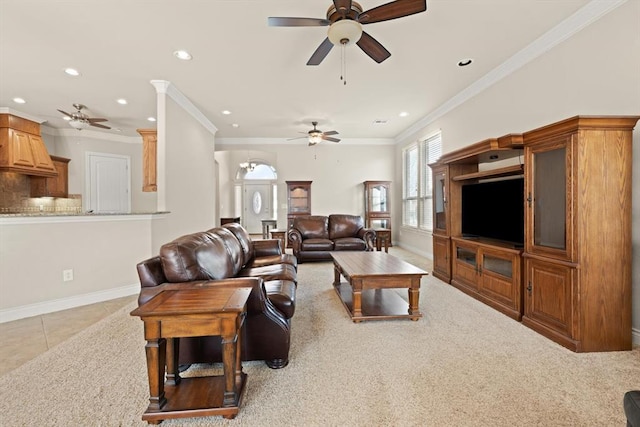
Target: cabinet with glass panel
490	273
377	205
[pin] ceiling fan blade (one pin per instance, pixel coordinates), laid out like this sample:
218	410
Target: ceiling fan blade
343	6
93	120
66	114
392	10
373	48
331	132
98	125
275	21
321	52
299	137
328	138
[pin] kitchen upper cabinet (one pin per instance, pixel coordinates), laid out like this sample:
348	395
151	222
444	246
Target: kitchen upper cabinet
22	150
57	186
149	159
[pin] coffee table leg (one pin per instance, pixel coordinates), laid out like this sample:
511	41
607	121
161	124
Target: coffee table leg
356	297
414	298
336	275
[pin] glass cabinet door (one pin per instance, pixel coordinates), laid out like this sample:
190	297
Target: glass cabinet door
548	188
440	201
379	198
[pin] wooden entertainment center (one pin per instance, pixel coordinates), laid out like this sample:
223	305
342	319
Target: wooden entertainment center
570	278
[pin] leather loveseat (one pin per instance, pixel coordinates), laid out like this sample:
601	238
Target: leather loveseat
314	237
226	256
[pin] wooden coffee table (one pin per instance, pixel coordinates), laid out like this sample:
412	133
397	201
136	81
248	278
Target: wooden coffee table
173	314
366	295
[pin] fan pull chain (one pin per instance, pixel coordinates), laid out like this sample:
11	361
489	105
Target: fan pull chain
343	61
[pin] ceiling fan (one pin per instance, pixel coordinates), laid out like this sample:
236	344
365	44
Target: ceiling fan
345	19
80	120
315	135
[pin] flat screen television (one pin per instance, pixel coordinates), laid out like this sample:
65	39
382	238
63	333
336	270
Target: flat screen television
494	210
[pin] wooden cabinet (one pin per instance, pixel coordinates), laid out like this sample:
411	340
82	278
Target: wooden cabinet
441	254
578	232
149	159
490	273
57	186
22	150
298	201
377	205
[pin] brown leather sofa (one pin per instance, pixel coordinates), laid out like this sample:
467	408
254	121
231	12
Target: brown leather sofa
223	257
314	237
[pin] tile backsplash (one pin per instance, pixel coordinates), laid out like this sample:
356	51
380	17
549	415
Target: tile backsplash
14	197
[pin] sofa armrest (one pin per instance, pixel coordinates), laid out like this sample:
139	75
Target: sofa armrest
295	237
266	247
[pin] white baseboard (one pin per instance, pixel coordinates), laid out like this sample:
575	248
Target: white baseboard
635	336
37	309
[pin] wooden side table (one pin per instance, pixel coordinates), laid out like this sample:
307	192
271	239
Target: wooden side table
280	235
383	236
193	312
266	223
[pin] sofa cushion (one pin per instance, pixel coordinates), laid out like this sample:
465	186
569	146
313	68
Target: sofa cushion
179	260
244	239
312	226
234	248
316	245
271	272
349	244
344	226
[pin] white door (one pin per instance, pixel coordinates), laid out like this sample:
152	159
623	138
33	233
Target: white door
256	206
108	183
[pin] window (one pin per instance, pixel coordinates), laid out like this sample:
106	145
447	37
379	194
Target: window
417	195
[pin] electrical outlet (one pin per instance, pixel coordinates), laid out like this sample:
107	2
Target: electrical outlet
67	275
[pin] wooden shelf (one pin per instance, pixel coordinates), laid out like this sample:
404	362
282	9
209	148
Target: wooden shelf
493	173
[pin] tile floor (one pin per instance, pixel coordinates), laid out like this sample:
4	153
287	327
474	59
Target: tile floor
24	339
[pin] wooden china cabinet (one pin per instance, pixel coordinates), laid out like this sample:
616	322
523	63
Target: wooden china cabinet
377	206
298	201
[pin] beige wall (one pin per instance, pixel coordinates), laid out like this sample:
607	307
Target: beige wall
337	171
186	178
595	72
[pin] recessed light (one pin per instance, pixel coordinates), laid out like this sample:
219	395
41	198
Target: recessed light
226	112
379	122
122	101
465	62
182	54
72	72
151	119
403	114
235	125
19	101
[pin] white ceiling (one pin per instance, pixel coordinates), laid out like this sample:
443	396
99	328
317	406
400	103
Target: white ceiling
255	71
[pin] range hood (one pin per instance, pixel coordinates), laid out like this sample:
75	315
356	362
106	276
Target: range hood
22	149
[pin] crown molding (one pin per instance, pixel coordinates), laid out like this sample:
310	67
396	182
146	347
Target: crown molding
166	87
582	18
7	110
282	141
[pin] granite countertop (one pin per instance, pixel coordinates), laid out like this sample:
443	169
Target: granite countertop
75	214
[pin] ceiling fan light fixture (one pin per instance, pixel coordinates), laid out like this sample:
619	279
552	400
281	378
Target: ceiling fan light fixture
79	123
345	29
315	137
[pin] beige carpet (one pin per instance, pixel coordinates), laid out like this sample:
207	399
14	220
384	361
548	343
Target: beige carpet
462	364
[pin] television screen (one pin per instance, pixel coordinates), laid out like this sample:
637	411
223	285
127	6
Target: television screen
494	210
